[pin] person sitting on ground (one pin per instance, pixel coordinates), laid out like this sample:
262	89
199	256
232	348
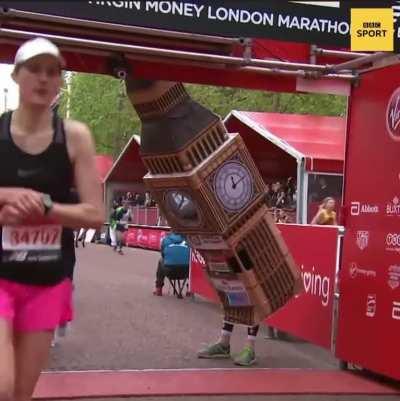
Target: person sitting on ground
326	214
174	261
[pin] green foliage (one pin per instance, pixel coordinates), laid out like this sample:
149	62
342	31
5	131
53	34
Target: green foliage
100	101
223	100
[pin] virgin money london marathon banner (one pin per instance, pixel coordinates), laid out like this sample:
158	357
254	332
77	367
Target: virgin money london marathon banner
323	23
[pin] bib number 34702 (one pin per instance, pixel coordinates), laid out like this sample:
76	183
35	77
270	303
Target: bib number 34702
31	238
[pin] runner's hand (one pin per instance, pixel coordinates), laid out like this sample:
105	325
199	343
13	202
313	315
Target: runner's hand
26	201
9	215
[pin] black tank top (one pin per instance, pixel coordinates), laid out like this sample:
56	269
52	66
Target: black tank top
42	254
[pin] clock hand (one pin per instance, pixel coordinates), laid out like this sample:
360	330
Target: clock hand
234	184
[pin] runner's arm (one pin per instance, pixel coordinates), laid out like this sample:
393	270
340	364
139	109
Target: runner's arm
89	213
317	218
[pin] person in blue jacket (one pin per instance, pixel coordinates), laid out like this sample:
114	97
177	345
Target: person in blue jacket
174	262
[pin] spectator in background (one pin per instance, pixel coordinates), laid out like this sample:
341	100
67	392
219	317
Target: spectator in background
174	262
275	189
268	195
320	190
281	216
291	192
148	201
129	198
326	214
137	201
281	199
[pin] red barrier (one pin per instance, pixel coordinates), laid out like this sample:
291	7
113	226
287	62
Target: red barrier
148	238
369	307
198	280
308	316
145	216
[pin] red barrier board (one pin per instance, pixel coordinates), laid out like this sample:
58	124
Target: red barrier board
148	238
198	280
369	306
309	315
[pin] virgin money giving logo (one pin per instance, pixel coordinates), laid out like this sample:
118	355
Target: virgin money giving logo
393	115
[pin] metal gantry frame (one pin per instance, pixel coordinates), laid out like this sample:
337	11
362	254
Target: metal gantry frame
344	71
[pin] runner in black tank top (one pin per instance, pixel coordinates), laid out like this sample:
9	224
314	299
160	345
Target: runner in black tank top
41	157
49	172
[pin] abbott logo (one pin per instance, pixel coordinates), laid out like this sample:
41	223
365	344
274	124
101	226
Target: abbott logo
357	208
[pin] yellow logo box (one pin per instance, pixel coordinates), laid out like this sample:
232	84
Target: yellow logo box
372	29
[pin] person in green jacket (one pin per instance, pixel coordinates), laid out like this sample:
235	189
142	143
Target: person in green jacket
119	222
113	224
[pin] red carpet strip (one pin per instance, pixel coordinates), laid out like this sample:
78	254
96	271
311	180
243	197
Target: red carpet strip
202	382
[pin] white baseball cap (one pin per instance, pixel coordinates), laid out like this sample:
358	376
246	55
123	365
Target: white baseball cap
36	47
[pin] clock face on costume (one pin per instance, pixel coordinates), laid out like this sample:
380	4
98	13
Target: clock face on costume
233	185
182	206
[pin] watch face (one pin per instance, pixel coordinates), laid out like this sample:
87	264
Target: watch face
47	203
233	185
182	206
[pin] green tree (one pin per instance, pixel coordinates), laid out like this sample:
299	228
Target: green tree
101	102
223	100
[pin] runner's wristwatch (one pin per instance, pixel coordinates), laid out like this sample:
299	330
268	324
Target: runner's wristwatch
47	203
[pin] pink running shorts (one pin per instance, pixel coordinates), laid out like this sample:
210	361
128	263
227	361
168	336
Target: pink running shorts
36	308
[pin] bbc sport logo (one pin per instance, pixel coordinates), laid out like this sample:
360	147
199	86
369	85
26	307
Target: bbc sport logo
371	29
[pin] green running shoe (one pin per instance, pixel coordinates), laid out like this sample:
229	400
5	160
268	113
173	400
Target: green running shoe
215	351
246	357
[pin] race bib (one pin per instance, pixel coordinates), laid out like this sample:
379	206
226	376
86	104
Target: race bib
31	243
234	290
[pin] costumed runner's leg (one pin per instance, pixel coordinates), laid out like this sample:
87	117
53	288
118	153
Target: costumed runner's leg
221	348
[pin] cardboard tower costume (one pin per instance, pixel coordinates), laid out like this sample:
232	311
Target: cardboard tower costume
208	187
